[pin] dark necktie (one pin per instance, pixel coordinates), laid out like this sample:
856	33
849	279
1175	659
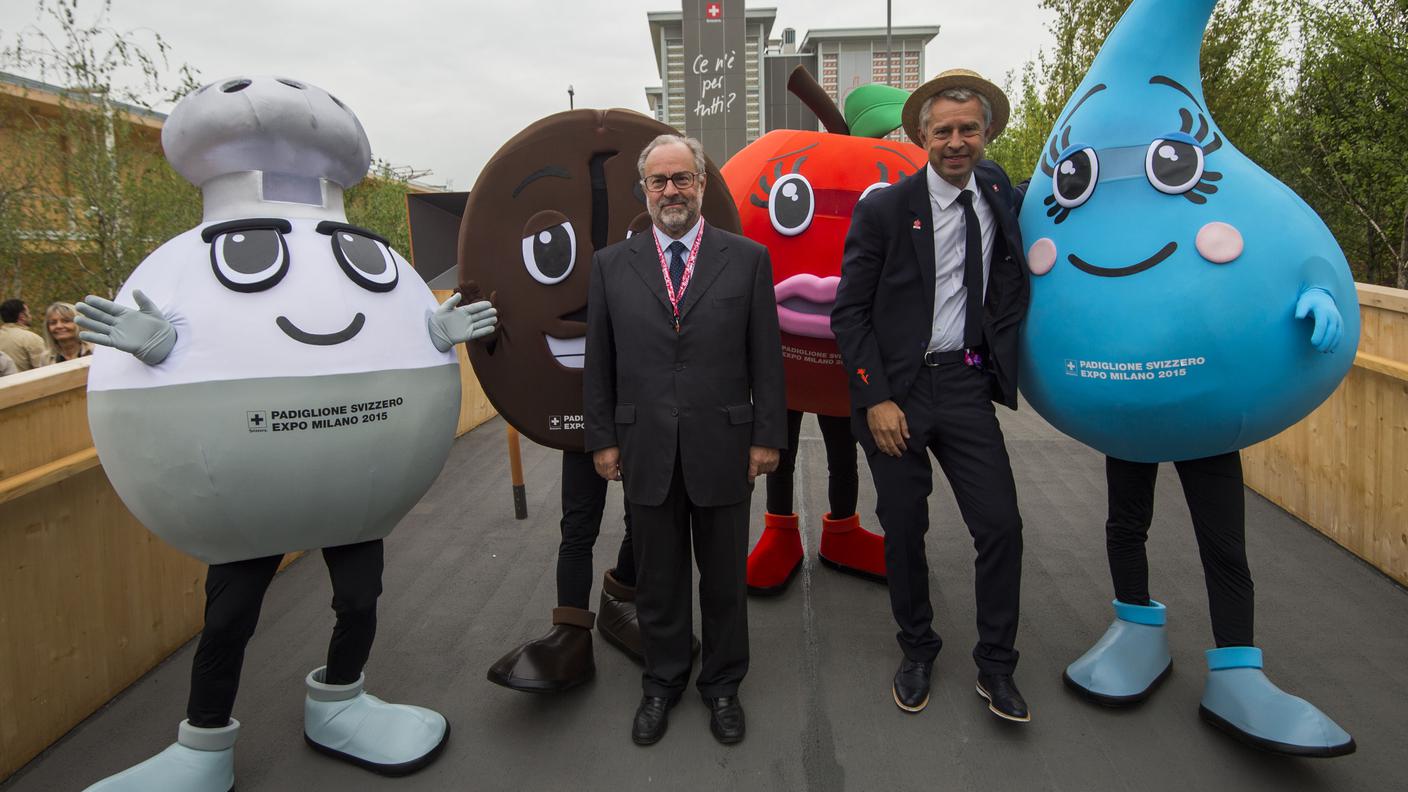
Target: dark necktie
676	249
972	273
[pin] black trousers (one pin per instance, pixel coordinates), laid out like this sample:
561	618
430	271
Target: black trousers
843	484
234	593
583	500
950	414
719	535
1213	489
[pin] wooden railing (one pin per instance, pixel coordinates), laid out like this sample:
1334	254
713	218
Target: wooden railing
1344	468
89	599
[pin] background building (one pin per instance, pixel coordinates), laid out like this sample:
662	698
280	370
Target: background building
688	45
841	59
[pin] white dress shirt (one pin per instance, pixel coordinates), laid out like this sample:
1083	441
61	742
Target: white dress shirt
688	239
950	248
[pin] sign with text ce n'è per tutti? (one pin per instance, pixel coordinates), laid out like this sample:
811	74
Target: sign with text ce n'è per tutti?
715	80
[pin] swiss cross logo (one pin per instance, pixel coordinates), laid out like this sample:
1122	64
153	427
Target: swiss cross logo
554	422
1071	368
714	11
258	420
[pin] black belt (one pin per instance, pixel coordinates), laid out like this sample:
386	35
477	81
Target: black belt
952	356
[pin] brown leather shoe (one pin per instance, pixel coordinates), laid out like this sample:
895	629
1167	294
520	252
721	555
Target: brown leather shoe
560	660
618	623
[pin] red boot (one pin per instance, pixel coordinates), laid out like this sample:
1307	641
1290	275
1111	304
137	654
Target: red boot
847	547
777	556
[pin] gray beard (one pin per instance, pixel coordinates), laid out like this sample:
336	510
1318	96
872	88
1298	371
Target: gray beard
673	227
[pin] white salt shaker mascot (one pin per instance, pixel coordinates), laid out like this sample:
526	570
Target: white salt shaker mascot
275	380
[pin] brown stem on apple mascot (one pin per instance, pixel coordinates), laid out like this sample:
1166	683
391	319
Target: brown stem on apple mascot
805	87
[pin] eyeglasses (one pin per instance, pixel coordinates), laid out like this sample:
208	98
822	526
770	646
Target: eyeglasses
682	181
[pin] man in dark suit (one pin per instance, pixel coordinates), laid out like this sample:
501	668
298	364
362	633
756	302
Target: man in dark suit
684	403
933	290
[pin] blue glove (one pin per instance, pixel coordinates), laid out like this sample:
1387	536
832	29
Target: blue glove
1329	325
143	332
450	325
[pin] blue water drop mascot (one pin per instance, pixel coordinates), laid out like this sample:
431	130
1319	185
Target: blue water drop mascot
1185	305
272	380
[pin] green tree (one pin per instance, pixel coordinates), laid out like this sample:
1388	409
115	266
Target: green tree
1242	62
1345	130
378	203
1079	29
94	196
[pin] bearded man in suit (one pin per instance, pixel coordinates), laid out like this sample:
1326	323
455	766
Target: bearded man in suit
684	403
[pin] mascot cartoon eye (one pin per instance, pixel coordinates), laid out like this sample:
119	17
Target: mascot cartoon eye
1173	166
791	204
1075	176
249	259
880	185
366	260
550	253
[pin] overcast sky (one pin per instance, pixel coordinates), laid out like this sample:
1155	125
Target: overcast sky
440	84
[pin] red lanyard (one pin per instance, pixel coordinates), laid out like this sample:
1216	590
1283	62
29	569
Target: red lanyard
674	296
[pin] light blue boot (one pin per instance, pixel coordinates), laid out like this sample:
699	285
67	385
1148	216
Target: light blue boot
201	760
1241	701
348	723
1128	661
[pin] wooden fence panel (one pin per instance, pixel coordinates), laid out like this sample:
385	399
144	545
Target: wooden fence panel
1344	468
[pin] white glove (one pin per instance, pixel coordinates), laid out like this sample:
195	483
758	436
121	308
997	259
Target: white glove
144	332
450	325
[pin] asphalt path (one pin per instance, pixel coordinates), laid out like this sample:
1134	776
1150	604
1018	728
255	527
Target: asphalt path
465	582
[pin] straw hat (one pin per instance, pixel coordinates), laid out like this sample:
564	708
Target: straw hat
956	78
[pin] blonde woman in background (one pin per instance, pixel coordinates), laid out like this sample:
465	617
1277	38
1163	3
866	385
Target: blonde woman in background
61	334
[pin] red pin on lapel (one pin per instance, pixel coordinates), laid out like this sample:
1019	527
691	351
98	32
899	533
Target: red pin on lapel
917	225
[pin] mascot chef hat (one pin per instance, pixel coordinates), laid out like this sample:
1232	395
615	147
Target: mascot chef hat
250	141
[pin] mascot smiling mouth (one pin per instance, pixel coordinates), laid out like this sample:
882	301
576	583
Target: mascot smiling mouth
804	304
568	352
321	339
1119	272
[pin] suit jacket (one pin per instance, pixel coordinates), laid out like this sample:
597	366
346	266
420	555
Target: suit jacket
884	310
709	391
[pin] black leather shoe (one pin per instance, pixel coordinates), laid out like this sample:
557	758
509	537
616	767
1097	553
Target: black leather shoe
652	718
1004	699
618	622
911	689
558	661
725	718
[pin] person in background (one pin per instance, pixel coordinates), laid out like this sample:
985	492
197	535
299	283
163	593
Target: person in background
7	366
23	346
61	334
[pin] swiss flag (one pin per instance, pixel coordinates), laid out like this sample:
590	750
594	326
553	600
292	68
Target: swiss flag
714	11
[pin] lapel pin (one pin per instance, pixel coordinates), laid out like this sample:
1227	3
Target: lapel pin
917	225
